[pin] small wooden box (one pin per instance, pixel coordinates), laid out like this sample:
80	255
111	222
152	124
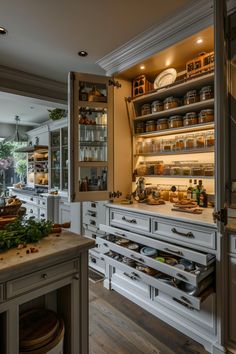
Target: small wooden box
141	85
204	62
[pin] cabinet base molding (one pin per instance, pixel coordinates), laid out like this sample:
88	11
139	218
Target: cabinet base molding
218	349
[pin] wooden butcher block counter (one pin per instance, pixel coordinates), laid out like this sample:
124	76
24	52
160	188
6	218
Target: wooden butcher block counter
52	272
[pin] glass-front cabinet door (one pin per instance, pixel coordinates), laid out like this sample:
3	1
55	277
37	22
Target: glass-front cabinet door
64	158
90	137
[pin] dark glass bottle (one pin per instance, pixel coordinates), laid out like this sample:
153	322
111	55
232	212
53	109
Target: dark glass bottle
203	199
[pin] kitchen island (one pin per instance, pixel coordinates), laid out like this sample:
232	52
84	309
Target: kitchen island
52	273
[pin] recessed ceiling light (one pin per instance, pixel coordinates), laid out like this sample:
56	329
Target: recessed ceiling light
3	31
199	40
82	53
142	67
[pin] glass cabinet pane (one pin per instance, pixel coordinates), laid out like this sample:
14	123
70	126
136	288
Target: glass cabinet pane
91	133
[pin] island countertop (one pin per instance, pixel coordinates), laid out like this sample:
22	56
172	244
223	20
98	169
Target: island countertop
164	211
59	247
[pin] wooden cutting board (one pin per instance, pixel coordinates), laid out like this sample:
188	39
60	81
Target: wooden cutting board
190	210
37	327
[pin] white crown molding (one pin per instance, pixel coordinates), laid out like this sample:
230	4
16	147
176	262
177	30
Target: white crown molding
21	83
190	20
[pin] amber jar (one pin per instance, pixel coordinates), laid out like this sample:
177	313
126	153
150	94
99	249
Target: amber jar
206	116
159	168
206	93
151	125
157	106
175	122
140	127
191	97
180	143
190	118
171	102
162	124
190	142
210	139
200	140
145	109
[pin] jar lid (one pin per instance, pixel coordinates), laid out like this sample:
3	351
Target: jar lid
207	111
171	99
175	118
190	115
162	120
157	103
206	89
150	122
191	93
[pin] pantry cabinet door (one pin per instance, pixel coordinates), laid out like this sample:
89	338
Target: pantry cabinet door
222	120
90	137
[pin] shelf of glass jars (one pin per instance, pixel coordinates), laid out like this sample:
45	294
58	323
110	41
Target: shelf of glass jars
176	152
172	131
193	107
92	163
98	106
176	89
175	176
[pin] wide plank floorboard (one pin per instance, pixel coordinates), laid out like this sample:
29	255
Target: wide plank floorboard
118	326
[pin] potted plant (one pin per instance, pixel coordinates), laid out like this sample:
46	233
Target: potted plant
57	113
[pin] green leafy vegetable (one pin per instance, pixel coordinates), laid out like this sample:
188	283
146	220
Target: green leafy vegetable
24	231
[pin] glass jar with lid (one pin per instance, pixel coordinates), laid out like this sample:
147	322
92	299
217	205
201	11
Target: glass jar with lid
176	170
175	121
140	127
210	139
198	170
162	124
191	97
158	168
190	142
142	169
145	109
206	93
166	145
180	143
157	106
139	147
200	140
166	170
151	125
206	116
186	170
190	118
171	102
209	169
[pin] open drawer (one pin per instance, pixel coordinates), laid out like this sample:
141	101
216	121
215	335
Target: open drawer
199	257
191	277
190	300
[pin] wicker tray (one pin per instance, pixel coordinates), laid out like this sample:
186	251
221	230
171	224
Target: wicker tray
9	209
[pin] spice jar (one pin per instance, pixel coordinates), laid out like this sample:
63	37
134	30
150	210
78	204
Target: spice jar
142	169
175	121
159	168
191	97
162	124
190	142
140	127
151	125
145	109
186	171
206	115
171	102
166	170
197	170
210	139
209	170
179	144
166	145
176	170
200	140
190	118
139	147
206	93
157	106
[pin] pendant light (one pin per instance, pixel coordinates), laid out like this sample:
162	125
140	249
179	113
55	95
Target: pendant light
17	136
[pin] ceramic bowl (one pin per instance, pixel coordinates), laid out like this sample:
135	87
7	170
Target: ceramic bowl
148	251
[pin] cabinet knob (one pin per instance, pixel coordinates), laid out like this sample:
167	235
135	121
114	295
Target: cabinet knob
76	276
44	275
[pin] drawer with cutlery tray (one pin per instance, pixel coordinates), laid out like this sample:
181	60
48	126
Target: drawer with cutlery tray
189	235
181	263
192	301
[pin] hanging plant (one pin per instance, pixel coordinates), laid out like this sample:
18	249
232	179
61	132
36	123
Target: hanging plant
57	113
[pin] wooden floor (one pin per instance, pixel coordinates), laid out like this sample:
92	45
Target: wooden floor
118	326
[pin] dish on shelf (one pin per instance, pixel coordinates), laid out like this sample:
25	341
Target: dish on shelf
165	78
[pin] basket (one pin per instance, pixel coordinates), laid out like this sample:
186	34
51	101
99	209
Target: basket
9	209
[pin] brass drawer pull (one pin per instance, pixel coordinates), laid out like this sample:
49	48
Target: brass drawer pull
188	234
137	258
179	253
131	221
130	276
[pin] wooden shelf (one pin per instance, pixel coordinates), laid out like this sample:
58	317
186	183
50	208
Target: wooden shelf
175	90
177	176
180	152
179	110
180	130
